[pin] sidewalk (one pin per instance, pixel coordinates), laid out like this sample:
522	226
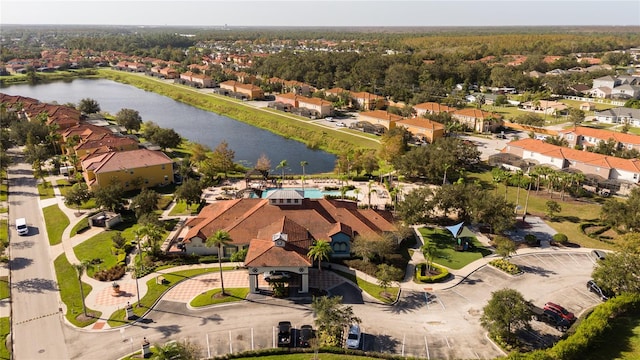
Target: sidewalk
101	298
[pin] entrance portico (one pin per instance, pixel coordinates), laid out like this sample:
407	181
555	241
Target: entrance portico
255	272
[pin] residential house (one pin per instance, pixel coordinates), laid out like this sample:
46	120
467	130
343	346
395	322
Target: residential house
132	169
316	106
431	108
198	80
562	158
367	101
380	117
106	143
619	115
279	230
587	106
618	86
251	92
426	129
545	106
478	120
586	136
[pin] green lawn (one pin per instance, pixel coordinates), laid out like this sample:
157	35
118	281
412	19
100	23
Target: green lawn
5	292
4	232
155	291
4	191
213	297
622	342
70	292
45	190
97	247
446	254
180	209
386	296
573	213
56	222
84	224
5	328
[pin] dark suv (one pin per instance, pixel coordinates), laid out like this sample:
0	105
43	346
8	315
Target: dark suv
284	334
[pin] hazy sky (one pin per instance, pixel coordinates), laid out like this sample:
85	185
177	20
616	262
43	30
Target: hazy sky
322	13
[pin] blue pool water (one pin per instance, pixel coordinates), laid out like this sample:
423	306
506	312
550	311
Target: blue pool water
309	193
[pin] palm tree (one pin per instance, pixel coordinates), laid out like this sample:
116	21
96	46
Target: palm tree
282	165
356	192
370	190
80	268
219	239
518	175
319	251
303	164
444	179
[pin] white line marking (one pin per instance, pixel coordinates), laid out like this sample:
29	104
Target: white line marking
447	340
426	345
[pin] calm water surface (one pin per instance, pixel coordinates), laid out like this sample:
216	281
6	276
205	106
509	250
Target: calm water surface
194	124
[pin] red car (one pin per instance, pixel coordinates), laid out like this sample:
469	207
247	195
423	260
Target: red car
566	314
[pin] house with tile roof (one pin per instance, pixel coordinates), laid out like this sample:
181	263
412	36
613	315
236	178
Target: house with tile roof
197	80
251	92
278	230
130	169
545	106
478	120
618	86
587	136
318	107
367	101
380	117
106	143
425	129
562	158
432	108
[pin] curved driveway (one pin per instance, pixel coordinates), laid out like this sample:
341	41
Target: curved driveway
431	324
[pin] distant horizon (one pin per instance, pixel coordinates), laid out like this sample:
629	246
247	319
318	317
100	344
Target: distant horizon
321	13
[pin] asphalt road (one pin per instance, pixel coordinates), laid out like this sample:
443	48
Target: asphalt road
37	322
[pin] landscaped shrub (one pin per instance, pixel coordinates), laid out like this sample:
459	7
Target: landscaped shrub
110	274
560	238
531	239
506	266
426	278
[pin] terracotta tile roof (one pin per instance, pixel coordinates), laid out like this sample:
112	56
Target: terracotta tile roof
247	219
314	101
433	107
133	159
422	123
476	113
603	134
109	140
264	253
381	114
585	157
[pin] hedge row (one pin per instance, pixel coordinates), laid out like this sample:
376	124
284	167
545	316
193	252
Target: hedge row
444	273
592	331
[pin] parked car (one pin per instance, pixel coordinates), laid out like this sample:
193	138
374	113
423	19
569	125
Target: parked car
594	288
284	334
276	275
306	334
353	337
550	317
341	124
329	118
598	254
566	314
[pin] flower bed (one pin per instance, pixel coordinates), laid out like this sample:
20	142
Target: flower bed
506	266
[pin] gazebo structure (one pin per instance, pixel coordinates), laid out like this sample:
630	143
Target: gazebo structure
460	232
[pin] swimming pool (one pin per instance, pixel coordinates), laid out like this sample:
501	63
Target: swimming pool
309	193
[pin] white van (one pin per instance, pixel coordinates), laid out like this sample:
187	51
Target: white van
21	226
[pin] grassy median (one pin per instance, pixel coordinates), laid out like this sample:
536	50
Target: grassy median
56	221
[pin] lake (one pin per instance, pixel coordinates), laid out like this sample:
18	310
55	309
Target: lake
192	123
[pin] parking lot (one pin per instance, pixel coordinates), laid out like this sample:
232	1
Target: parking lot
443	324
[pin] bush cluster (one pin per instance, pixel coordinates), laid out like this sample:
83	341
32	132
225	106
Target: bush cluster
111	274
421	269
506	266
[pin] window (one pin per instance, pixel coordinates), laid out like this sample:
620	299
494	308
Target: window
146	181
288	201
166	177
131	172
635	176
570	136
162	166
126	184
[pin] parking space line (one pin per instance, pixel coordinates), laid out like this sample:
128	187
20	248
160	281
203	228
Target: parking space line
574	259
252	347
426	345
230	344
476	354
559	261
208	346
588	294
447	340
538	257
404	337
462	296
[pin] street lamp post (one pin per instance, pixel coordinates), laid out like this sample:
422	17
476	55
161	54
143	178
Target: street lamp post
136	269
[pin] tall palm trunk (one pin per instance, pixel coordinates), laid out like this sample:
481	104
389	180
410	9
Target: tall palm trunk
220	267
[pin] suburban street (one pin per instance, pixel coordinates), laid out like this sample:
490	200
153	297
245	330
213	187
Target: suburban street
37	321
